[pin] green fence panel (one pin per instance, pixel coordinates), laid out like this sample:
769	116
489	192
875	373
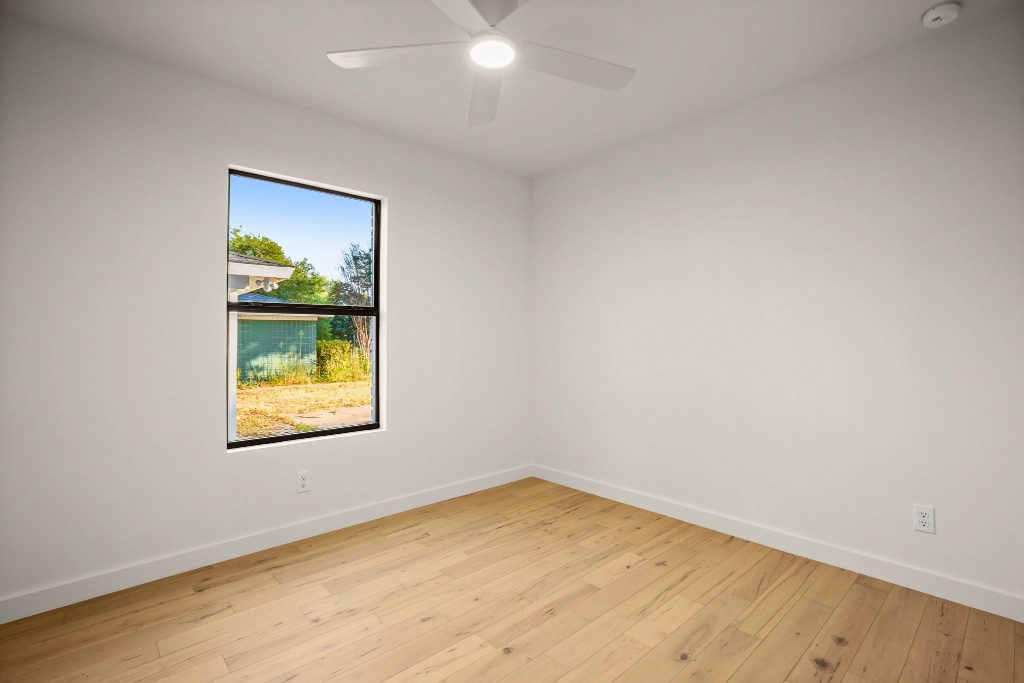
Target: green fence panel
271	348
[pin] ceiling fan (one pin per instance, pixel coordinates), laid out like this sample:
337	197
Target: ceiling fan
495	42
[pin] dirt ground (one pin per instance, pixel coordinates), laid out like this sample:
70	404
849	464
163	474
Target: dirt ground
266	411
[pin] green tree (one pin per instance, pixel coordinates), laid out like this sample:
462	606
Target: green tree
355	288
341	328
305	286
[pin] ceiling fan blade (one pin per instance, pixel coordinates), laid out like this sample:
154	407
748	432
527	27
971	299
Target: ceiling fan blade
536	15
483	103
465	14
357	59
574	67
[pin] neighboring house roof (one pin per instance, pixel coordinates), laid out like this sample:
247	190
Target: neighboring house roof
260	298
252	260
247	273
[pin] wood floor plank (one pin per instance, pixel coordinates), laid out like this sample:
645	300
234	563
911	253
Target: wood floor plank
787	561
653	596
614	569
379	668
204	672
448	661
988	649
720	659
575	649
606	664
109	644
302	650
79	664
254	631
655	529
118	621
244	567
499	580
536	486
1019	668
132	598
946	617
306	637
323	611
769	608
390	555
779	652
725	573
521	651
276	656
528	582
657	625
515	625
934	658
404	645
881	656
507	549
666	540
871	582
758	578
539	670
850	678
618	591
831	586
730	542
22	627
677	651
573	571
208	631
702	538
606	537
829	656
104	669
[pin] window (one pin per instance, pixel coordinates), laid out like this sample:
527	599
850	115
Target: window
303	310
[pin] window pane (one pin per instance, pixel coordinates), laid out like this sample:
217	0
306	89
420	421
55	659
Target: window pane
300	373
299	245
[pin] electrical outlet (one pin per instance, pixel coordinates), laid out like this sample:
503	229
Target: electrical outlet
302	481
924	518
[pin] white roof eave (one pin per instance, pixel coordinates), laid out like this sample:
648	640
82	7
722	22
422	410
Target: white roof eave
256	270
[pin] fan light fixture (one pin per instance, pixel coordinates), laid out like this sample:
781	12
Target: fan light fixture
492	51
492	48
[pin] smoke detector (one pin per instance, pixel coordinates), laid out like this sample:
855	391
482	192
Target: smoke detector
940	15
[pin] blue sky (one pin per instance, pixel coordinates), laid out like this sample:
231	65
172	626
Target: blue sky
306	223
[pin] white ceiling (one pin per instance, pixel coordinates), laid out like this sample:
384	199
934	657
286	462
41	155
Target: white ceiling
693	58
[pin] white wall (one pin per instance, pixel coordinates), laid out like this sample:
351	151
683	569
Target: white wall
806	314
113	211
799	316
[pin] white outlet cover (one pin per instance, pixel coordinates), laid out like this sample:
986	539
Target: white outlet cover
302	481
924	518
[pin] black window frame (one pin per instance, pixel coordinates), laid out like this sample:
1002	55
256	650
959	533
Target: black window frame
285	306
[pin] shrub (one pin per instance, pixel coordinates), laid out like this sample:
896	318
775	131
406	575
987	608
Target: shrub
278	371
337	361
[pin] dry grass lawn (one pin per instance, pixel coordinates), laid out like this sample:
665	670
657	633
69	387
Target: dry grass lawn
262	411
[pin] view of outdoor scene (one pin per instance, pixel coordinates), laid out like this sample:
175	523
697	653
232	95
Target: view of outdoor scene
297	371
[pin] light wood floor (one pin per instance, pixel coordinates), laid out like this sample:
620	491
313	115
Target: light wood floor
527	582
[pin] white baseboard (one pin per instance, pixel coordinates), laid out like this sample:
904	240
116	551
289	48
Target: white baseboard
52	597
947	587
950	588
